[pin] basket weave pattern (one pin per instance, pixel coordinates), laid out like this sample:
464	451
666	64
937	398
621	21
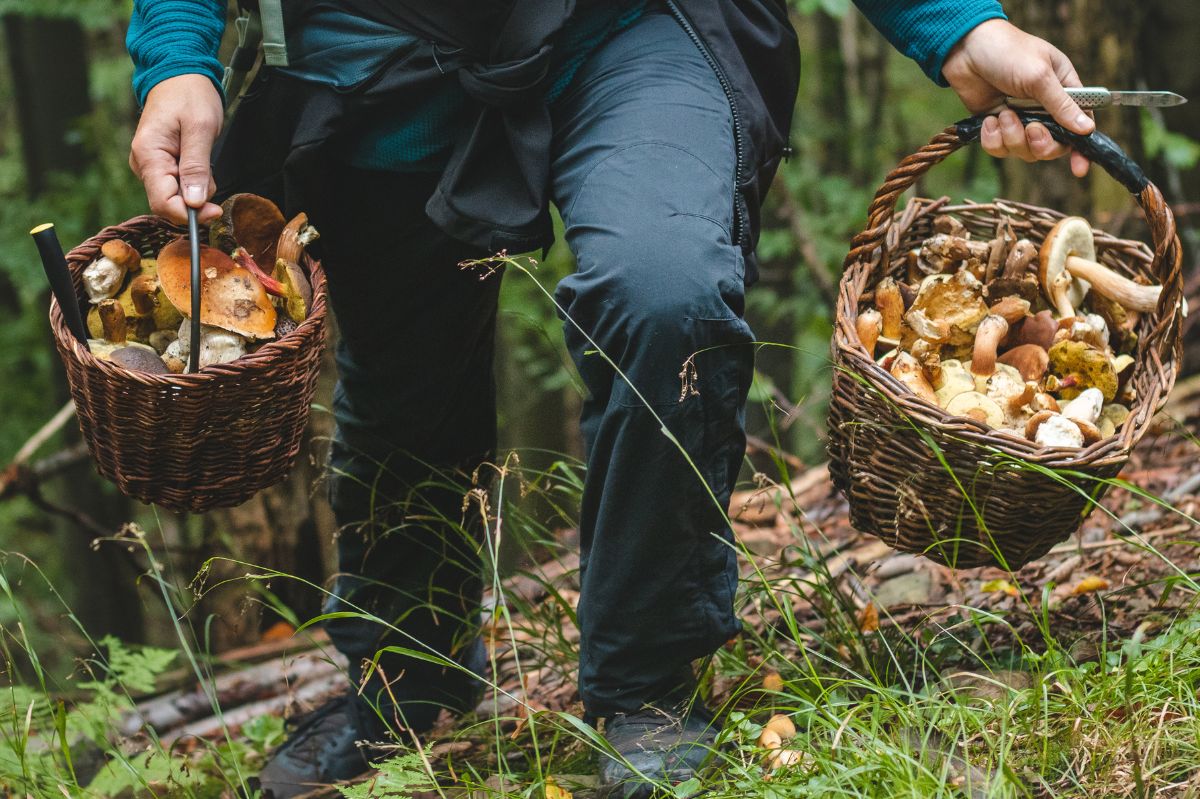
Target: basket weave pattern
192	442
949	487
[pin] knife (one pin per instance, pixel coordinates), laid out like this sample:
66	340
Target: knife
59	276
1087	97
194	339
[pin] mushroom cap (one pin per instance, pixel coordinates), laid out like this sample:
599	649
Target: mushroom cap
1057	430
231	297
248	221
979	407
1071	236
1087	406
1028	359
122	253
139	358
783	726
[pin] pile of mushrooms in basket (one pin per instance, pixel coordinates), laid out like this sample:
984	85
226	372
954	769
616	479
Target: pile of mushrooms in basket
140	306
1033	341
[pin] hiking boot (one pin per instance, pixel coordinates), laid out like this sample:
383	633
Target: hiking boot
322	749
332	742
659	746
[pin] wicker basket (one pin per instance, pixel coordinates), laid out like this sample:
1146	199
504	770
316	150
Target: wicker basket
192	442
952	488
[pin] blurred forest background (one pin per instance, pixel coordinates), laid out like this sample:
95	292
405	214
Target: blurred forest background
66	119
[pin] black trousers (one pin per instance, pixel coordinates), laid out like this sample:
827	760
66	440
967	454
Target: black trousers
643	174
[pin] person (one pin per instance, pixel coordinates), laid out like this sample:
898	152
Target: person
417	135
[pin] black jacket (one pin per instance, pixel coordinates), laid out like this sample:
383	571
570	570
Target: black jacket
493	193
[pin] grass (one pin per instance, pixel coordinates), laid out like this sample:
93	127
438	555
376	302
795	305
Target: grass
955	701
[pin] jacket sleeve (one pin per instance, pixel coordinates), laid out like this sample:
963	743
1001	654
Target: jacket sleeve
167	38
926	30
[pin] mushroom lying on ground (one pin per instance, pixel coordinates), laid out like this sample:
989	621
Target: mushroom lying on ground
232	298
103	277
1070	246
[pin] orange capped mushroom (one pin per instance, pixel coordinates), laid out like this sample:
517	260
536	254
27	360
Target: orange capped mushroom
231	297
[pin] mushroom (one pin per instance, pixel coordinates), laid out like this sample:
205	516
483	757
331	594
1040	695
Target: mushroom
103	277
139	358
1038	329
933	330
216	345
1079	366
161	339
890	305
868	326
769	739
231	297
249	221
1028	359
954	300
979	407
112	319
944	251
929	355
241	256
1112	416
1086	407
1070	246
1062	242
991	330
1012	308
1019	258
954	380
296	236
782	726
1050	429
907	370
950	225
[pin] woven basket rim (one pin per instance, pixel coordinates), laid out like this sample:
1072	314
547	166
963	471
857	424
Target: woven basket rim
262	358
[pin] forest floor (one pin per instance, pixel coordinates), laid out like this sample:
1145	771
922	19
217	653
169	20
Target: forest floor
1077	675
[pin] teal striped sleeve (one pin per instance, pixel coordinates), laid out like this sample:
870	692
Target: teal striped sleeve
926	30
167	38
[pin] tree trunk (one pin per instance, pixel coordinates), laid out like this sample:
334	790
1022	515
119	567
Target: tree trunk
48	60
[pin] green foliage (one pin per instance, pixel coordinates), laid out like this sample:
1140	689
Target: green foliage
1175	149
398	778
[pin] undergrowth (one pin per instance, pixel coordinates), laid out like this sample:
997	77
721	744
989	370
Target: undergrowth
963	701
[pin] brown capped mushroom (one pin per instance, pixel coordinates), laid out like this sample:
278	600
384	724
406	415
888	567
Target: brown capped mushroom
248	221
769	739
1028	359
1013	309
868	326
103	277
139	358
1112	417
1038	329
955	300
296	236
954	380
782	726
231	297
907	370
1019	259
241	256
1066	239
944	252
1076	249
112	319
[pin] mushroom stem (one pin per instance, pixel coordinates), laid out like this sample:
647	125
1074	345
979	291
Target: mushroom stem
868	326
112	320
1060	296
891	306
242	258
991	330
1133	296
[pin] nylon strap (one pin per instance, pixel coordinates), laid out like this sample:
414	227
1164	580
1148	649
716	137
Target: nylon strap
245	54
274	43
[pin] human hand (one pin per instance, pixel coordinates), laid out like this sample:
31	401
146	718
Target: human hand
997	59
172	145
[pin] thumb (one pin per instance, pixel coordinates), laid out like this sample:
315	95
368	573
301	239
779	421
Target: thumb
195	178
1053	97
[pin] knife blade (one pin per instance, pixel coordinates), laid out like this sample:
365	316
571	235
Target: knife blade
1088	97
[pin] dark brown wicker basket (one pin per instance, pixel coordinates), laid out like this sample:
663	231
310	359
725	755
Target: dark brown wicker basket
952	488
193	442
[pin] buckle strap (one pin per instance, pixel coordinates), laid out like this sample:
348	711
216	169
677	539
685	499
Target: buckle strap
273	40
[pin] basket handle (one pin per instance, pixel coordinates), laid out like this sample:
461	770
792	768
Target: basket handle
1163	339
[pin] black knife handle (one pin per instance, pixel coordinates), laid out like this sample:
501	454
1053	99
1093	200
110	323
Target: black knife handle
59	276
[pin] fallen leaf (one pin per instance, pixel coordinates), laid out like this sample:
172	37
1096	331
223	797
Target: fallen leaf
868	620
278	631
1001	585
1089	585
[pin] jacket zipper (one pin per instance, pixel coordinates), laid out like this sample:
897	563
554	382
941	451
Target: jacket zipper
686	24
